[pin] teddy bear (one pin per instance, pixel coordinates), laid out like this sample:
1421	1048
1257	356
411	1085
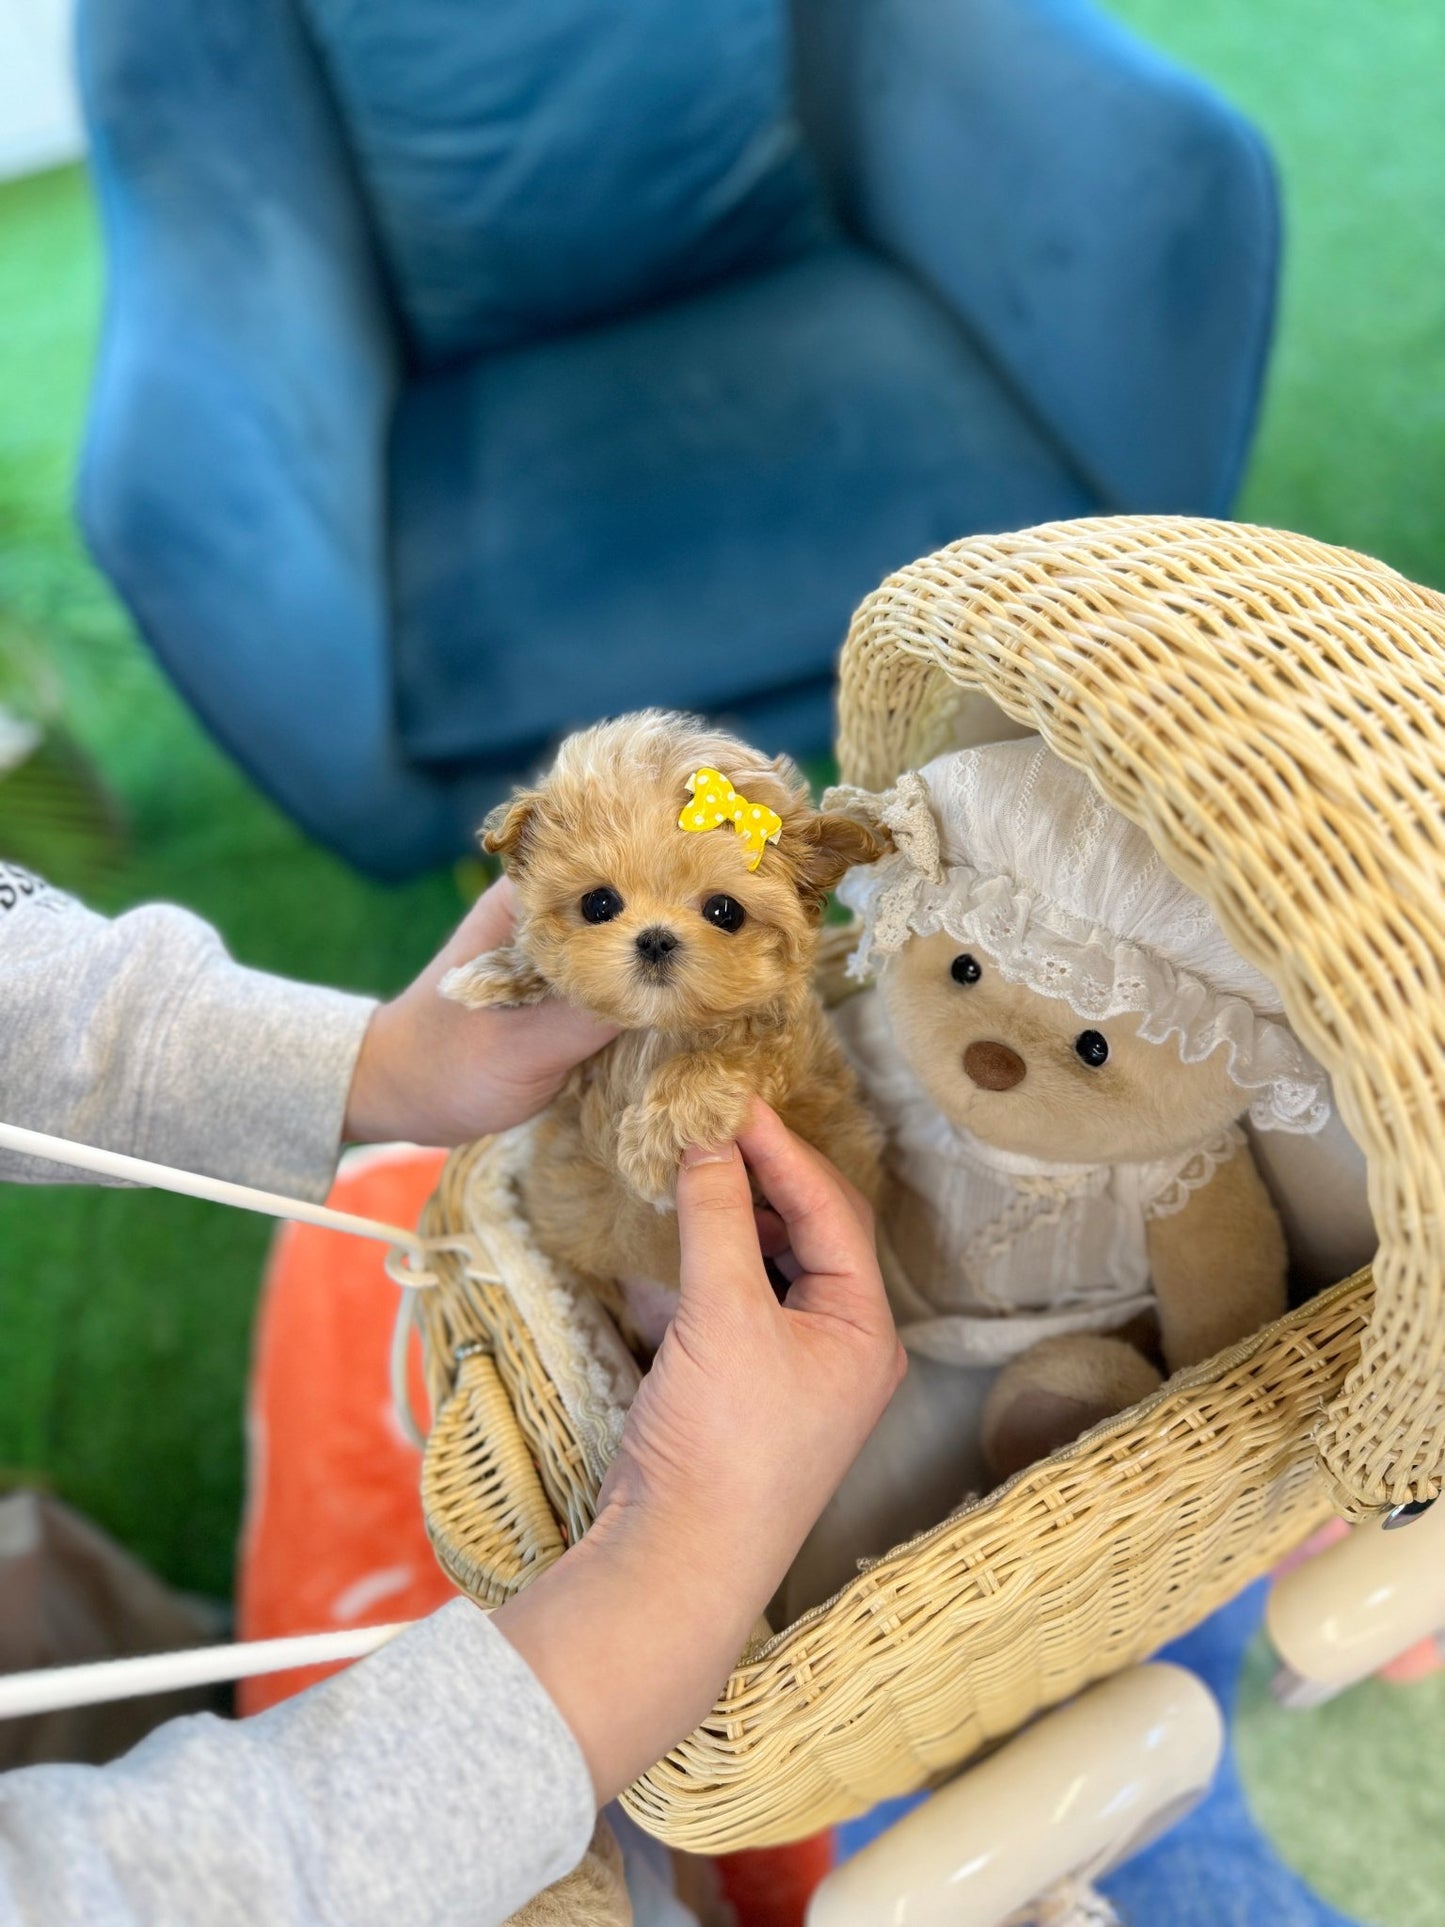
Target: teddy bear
673	880
1063	1047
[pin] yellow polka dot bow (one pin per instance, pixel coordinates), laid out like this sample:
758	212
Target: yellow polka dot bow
715	801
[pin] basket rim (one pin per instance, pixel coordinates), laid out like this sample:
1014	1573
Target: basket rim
1021	1486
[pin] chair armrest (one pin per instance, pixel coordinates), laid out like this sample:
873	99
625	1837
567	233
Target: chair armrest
233	480
1102	222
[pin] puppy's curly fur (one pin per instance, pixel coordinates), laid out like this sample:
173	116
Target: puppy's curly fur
714	1006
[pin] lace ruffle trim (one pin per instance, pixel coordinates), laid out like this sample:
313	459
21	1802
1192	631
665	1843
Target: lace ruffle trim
1194	1175
1035	942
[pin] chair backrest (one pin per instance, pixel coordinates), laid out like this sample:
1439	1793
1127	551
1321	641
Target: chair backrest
535	164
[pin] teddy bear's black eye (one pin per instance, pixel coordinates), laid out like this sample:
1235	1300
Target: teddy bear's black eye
966	969
726	912
601	906
1093	1047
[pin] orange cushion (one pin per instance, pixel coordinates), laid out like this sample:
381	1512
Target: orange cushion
333	1534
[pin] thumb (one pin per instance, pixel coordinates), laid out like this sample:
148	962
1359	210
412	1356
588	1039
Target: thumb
716	1226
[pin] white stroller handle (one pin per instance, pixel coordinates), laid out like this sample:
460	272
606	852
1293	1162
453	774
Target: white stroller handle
1079	1790
51	1689
1350	1610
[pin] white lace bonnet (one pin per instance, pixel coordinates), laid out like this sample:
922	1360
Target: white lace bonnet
1011	849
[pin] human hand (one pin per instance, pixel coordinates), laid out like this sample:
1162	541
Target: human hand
433	1072
740	1433
753	1410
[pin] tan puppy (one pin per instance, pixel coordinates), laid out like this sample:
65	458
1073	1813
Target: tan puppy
705	962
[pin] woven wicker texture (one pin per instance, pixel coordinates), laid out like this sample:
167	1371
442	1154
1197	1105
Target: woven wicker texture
506	1482
1082	1565
1271	711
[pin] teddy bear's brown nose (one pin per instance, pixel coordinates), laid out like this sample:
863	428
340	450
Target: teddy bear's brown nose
994	1067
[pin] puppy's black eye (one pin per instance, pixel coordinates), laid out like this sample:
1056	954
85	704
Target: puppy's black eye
726	912
601	906
1092	1047
966	969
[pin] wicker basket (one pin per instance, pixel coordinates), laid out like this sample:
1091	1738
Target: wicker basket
1272	712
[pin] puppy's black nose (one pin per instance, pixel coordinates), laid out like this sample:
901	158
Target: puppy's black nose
656	944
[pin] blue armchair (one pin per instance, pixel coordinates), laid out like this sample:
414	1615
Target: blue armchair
474	367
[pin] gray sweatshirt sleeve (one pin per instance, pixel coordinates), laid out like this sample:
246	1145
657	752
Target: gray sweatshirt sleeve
432	1782
142	1035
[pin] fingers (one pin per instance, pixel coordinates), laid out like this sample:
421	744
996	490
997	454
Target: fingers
828	1223
560	1034
720	1250
772	1232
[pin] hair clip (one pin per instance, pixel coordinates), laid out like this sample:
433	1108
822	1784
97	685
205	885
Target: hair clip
715	802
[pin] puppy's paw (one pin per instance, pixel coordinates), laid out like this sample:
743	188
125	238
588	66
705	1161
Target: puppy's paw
678	1110
702	1110
647	1155
497	979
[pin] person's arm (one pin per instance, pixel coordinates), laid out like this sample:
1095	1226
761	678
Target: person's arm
435	1781
454	1774
142	1035
741	1432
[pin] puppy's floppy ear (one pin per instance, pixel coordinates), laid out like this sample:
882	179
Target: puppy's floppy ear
826	844
506	830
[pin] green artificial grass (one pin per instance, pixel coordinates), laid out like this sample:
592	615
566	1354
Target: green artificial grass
125	1316
1352	444
1351	1793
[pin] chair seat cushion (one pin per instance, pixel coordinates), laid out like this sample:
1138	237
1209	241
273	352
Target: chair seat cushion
531	164
685	507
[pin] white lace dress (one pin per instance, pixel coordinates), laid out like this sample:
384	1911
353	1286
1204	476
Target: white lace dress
1041	1248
